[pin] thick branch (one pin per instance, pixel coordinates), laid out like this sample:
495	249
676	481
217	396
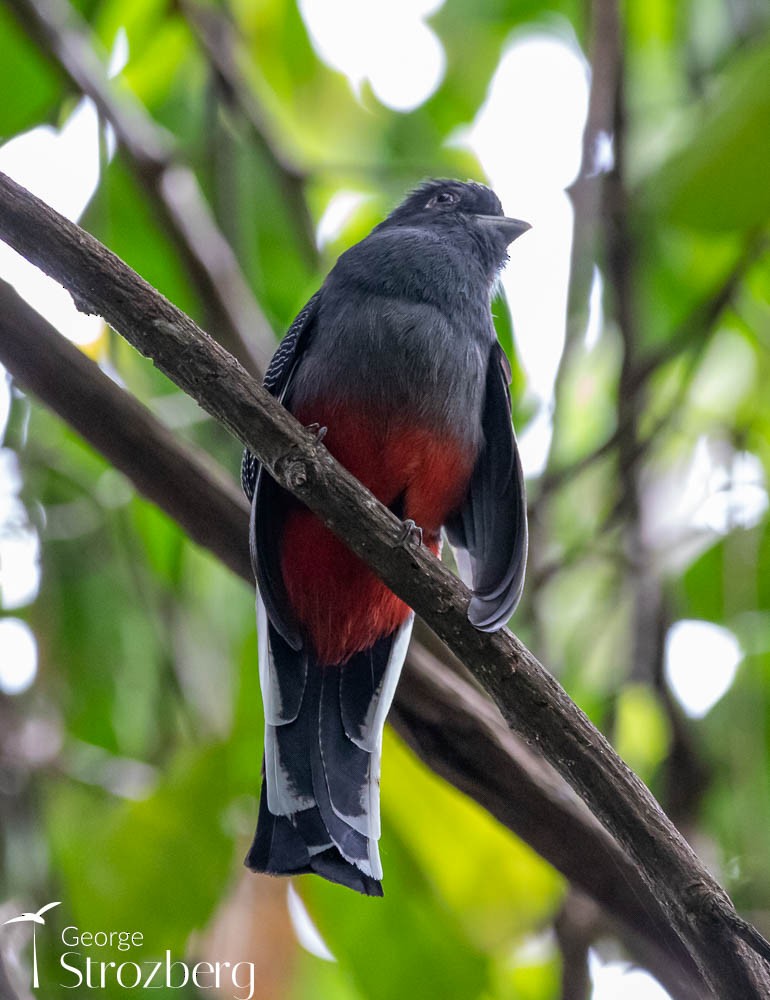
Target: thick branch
231	310
450	724
531	701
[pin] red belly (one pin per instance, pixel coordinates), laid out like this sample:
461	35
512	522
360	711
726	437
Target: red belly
342	605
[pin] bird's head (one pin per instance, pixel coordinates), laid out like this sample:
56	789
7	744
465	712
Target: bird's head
460	208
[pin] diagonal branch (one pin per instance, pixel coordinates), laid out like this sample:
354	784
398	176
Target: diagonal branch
531	701
230	308
450	724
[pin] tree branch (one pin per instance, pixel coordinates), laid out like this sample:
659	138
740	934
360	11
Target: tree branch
230	308
451	726
531	701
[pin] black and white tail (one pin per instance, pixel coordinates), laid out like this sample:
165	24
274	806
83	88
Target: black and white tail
320	805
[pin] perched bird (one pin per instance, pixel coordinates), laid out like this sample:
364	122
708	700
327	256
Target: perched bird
396	356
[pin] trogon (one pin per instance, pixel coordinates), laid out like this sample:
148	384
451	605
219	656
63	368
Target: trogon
396	356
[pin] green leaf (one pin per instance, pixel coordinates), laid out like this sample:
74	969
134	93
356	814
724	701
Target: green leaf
718	179
641	730
427	953
31	86
159	865
730	576
465	843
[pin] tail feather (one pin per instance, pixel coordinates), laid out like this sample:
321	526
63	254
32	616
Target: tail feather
319	809
347	768
282	672
289	782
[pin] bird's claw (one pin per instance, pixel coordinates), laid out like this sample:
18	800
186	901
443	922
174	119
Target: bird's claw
318	432
411	533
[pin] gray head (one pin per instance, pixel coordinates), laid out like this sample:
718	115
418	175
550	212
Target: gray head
464	211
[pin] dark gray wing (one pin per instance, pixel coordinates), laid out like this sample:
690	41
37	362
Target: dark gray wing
278	376
268	500
491	526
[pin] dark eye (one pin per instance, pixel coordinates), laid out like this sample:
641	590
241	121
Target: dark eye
443	198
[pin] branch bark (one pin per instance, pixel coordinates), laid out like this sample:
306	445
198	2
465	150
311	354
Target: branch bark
449	723
531	701
229	306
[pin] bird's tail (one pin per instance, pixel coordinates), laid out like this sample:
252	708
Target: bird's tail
319	809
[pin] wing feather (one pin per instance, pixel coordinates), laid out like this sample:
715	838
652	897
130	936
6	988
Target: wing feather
264	493
491	526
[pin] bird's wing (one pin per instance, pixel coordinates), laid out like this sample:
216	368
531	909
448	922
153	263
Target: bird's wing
46	908
281	366
490	529
24	918
266	495
278	376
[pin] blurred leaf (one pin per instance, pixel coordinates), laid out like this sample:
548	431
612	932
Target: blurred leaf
172	844
679	272
406	944
641	730
532	978
28	76
464	844
731	575
158	41
587	414
717	182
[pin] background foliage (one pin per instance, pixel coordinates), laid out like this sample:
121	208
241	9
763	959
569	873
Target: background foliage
129	770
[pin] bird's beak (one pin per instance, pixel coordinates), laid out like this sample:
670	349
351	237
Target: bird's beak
510	228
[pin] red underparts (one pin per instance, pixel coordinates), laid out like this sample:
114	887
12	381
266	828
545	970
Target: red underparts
342	605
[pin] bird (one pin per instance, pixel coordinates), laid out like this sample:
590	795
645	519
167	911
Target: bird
395	361
33	918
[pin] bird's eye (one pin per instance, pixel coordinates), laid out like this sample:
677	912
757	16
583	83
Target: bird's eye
443	198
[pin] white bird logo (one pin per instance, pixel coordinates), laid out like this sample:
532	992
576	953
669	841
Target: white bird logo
33	918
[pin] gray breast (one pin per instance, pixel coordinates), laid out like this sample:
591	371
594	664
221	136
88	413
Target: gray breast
403	328
400	360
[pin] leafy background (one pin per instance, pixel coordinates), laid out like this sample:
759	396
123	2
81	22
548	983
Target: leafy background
129	770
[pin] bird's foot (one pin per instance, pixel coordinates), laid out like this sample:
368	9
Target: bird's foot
318	432
411	533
